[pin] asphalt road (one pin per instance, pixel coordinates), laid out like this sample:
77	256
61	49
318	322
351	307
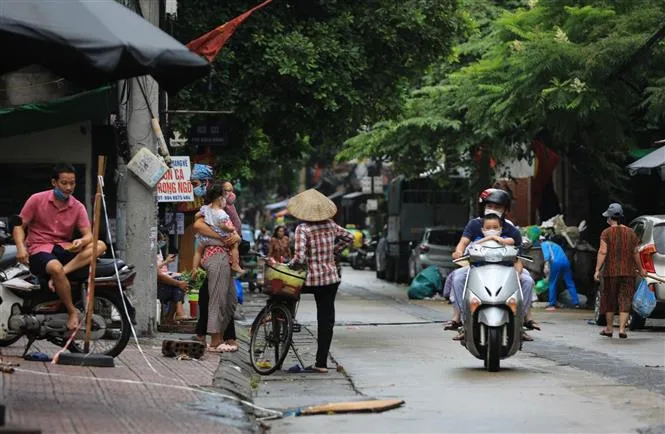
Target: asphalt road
568	380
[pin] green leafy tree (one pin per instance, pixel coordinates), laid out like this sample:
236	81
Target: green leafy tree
565	71
300	76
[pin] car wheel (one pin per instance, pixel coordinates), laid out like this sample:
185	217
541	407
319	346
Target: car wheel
598	318
636	322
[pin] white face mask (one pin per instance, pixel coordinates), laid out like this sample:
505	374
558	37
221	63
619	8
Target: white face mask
493	211
491	232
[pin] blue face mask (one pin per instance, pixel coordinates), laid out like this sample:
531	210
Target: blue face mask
60	195
200	191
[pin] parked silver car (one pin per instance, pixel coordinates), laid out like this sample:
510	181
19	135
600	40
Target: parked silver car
651	231
436	248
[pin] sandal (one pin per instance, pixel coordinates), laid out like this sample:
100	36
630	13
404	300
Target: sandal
316	369
459	337
622	335
222	348
452	325
526	337
606	333
531	325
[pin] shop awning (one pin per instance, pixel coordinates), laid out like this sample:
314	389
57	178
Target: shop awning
276	205
93	105
650	161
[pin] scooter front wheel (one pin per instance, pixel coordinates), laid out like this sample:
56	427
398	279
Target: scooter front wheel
493	352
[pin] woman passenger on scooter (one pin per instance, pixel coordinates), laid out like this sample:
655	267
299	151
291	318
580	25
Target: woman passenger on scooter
492	201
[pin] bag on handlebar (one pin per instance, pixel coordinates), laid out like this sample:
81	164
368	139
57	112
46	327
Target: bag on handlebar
282	281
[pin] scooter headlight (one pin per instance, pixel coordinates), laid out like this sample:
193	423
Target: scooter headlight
494	255
512	304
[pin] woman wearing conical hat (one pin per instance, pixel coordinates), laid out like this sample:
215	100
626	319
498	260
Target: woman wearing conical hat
317	240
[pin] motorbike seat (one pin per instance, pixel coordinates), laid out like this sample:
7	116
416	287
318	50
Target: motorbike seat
104	268
8	258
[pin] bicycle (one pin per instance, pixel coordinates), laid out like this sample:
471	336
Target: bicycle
273	328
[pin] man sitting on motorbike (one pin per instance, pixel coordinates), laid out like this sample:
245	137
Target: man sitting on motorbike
50	218
493	201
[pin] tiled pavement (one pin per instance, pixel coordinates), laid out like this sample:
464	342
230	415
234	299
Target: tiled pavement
129	398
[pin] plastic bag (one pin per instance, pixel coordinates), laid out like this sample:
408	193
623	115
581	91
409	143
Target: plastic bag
644	301
425	284
542	286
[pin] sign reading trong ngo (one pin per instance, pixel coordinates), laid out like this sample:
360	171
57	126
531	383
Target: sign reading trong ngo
175	186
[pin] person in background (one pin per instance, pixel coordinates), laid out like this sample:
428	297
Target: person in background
50	218
556	264
263	241
279	248
315	248
618	263
170	289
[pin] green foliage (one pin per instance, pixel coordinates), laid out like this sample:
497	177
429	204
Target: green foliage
548	68
194	279
302	75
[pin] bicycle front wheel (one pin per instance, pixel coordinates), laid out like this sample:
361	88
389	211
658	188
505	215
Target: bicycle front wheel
272	333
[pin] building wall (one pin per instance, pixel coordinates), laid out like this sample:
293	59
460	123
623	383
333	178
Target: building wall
71	144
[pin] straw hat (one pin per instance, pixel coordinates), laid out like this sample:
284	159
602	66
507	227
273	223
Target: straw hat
311	206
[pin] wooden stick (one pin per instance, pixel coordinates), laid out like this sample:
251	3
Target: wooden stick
101	168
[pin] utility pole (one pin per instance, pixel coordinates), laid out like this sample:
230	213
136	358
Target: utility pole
137	205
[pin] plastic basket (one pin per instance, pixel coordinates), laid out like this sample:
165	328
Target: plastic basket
282	281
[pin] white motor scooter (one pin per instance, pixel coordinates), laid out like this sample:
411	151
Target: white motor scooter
493	307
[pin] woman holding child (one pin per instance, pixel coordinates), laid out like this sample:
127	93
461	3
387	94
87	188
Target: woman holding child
218	255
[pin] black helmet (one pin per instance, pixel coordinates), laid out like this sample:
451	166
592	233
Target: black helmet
496	196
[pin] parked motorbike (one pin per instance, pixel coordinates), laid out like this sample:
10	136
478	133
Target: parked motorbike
364	256
493	305
29	308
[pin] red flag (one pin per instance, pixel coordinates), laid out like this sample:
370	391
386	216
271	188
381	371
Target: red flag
209	44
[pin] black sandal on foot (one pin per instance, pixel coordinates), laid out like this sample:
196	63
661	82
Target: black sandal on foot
452	325
606	334
531	325
623	335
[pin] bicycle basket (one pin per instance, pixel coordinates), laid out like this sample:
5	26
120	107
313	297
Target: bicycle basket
282	281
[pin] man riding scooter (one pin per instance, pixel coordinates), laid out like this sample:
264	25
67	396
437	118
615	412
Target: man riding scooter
492	201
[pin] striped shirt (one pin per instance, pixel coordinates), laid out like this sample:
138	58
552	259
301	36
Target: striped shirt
316	245
621	244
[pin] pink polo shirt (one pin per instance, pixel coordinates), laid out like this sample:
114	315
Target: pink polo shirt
48	224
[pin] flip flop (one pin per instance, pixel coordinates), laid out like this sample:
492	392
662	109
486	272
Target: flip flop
606	334
223	348
531	325
526	337
459	337
622	336
452	325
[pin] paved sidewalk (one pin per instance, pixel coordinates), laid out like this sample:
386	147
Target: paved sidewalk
129	398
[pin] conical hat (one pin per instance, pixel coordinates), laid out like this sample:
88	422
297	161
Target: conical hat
311	206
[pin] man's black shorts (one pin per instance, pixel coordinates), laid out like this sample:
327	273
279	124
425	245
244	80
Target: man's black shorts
38	261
